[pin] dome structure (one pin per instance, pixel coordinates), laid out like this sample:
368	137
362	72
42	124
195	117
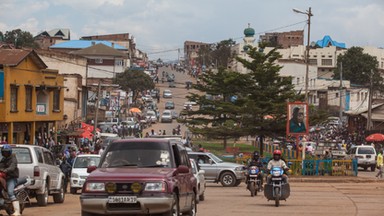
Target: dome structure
249	32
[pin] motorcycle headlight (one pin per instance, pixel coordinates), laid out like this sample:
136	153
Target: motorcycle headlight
156	186
95	186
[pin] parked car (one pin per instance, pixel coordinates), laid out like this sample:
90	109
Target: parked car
365	155
175	115
172	84
141	176
152	116
169	105
199	175
39	163
166	116
216	170
79	170
167	93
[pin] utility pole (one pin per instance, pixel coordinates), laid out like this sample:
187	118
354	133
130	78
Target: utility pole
369	119
97	106
340	93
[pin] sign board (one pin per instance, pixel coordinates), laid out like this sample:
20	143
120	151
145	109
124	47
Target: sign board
41	109
297	118
1	85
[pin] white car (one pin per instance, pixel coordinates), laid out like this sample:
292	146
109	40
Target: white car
167	93
152	116
199	175
166	116
79	170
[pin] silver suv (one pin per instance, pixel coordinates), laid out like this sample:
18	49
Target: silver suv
39	163
365	155
216	170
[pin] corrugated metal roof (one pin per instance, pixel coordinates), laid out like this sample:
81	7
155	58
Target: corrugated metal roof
99	50
361	110
81	44
13	57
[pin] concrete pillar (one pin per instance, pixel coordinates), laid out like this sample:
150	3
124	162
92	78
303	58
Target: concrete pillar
10	133
33	133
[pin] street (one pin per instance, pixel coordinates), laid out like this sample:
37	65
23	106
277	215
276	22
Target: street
309	198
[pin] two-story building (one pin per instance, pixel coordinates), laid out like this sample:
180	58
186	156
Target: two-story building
31	97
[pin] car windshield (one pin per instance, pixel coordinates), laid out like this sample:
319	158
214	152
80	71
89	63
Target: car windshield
215	158
365	151
84	162
137	154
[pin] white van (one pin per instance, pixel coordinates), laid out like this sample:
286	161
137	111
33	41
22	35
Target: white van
79	170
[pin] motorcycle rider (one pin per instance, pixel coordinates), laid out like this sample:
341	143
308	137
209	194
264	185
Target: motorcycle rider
255	161
8	165
277	162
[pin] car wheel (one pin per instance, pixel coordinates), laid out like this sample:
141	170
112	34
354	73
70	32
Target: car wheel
73	190
202	197
365	168
228	179
42	199
83	213
175	210
193	210
238	182
59	197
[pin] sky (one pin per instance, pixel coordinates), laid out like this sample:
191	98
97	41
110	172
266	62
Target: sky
160	27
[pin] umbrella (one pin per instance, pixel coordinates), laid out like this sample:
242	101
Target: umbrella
87	134
377	137
135	110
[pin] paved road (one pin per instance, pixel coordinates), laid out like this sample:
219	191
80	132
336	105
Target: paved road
306	199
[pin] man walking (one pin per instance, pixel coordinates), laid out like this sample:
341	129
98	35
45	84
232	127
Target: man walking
380	164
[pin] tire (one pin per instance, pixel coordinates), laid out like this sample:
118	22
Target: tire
59	197
175	211
252	189
9	209
373	168
202	197
238	182
83	213
365	168
73	190
193	210
228	179
277	197
42	199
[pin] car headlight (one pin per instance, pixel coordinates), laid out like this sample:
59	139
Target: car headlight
155	186
74	175
95	186
240	168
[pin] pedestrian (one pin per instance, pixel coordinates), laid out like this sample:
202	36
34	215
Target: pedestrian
380	164
4	141
66	168
164	133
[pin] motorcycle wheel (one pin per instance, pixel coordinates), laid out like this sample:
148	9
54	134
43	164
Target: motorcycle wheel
277	197
9	209
252	189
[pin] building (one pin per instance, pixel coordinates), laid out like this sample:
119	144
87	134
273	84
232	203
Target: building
103	61
283	39
31	97
46	39
74	45
74	70
191	51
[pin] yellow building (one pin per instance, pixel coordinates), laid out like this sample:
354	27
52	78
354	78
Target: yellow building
31	97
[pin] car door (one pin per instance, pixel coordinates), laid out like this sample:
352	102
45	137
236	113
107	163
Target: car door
208	165
51	168
184	187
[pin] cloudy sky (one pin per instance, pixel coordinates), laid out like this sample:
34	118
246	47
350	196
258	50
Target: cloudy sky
162	26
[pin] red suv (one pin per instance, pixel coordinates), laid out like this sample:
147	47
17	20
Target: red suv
141	176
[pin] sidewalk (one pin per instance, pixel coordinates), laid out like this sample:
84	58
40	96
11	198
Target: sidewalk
333	179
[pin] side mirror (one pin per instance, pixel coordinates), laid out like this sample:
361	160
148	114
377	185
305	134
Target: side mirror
182	169
210	161
91	169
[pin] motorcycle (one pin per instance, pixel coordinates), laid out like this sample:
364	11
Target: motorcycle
20	191
276	188
253	184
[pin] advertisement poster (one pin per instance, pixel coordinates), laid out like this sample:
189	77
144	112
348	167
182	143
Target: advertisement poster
297	118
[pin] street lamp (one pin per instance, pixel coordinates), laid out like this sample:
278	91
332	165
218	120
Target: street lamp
309	14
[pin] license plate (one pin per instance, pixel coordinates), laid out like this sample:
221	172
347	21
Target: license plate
276	179
253	176
122	199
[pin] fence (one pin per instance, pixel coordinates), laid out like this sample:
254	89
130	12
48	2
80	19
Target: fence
289	154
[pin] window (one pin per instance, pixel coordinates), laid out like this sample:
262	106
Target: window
56	100
28	98
358	96
313	61
48	159
39	155
326	61
119	62
337	95
79	99
14	91
99	61
297	81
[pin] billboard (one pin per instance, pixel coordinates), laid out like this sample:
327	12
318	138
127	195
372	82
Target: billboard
297	118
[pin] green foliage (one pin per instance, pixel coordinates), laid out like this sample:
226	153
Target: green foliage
216	54
357	67
317	116
19	38
135	81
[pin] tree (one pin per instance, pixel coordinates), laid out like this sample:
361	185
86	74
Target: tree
135	81
357	67
268	95
216	54
20	39
218	114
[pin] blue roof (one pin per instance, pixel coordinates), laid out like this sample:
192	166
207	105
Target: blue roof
327	41
81	44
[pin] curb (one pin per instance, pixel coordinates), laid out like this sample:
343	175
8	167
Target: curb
335	179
